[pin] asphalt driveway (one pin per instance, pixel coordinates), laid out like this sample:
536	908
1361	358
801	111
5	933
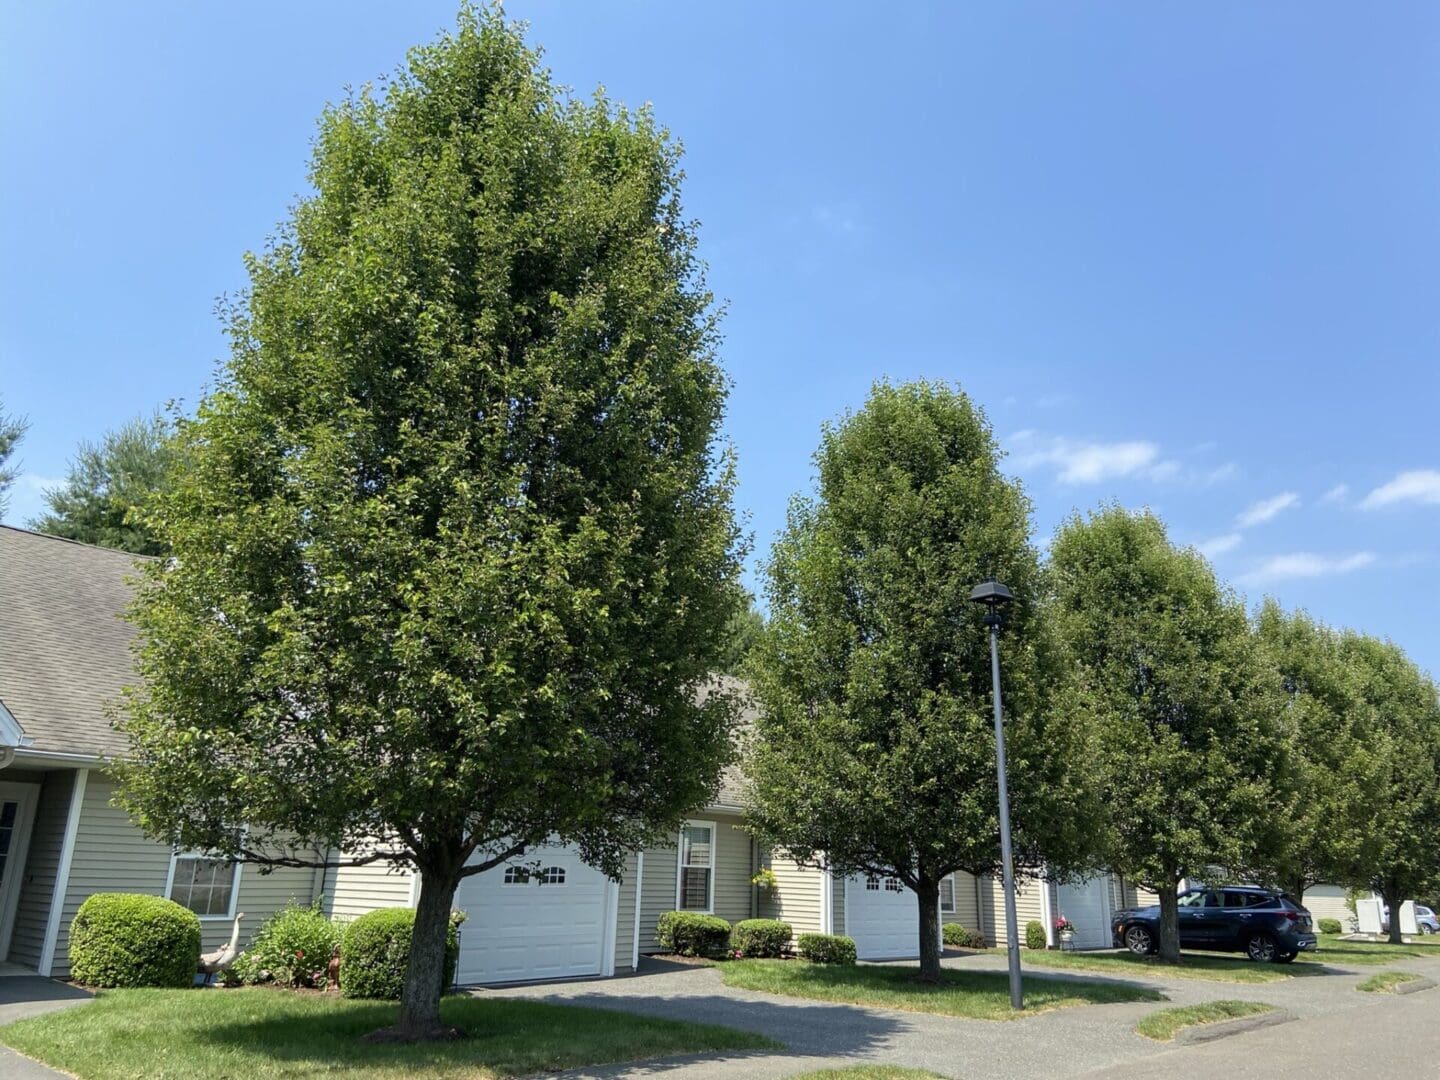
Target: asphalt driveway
1096	1039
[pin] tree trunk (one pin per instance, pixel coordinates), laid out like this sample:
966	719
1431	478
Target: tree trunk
1296	890
425	976
929	896
1169	922
1393	902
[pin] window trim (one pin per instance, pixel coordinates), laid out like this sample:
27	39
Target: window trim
235	865
709	908
951	909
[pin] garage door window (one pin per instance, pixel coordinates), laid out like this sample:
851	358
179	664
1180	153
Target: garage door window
552	875
947	894
695	888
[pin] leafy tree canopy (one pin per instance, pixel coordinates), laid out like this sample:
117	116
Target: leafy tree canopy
874	749
453	549
1188	745
104	496
741	635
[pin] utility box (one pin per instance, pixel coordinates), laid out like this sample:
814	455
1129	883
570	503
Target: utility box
1408	925
1367	914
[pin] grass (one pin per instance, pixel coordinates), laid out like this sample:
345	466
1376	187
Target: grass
1206	966
867	1072
263	1033
1385	982
979	995
1164	1025
1334	949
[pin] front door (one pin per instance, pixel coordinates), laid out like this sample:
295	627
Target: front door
17	810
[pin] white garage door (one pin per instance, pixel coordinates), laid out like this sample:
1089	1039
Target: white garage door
525	923
1087	905
883	917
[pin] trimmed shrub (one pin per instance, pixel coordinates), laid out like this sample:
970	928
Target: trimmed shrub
826	948
761	937
1329	926
375	951
1035	935
293	948
958	937
133	939
690	933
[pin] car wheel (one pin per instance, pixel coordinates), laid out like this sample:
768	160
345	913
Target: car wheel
1285	957
1139	941
1262	949
1425	928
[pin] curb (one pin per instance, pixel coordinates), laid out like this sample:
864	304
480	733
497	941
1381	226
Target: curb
1414	986
1203	1033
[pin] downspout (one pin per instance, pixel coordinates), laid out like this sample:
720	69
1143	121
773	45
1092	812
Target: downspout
639	899
7	756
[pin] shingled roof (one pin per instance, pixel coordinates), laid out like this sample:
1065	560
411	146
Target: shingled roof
64	650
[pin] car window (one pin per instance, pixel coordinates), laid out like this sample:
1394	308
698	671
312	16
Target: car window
1246	899
1194	899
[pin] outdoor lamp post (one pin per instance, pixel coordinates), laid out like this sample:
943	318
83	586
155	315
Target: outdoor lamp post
995	596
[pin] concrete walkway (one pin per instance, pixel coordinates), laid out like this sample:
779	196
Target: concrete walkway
1096	1039
26	995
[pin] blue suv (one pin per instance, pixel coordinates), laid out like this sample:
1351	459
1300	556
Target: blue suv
1265	925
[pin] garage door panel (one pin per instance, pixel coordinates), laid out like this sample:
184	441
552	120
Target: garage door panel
883	921
525	928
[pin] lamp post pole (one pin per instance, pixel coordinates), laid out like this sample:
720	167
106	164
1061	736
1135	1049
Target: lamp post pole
992	594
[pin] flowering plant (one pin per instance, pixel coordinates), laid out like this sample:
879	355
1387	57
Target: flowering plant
1062	924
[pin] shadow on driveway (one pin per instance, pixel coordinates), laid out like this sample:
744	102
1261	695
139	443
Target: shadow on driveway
23	996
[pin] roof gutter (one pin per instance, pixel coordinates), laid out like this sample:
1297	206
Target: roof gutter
55	759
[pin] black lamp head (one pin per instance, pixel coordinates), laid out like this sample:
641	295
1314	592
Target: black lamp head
991	593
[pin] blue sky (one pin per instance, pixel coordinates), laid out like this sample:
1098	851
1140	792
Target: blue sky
1184	255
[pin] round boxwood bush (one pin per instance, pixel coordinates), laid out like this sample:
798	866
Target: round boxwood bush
958	937
375	951
761	937
293	948
134	939
1035	935
1329	926
826	948
691	934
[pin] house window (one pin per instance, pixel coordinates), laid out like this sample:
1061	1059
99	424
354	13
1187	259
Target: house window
516	875
947	895
696	884
204	884
552	875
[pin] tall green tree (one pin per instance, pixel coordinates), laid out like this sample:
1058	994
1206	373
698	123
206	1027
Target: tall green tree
874	751
1188	738
1336	771
108	487
741	636
453	546
1401	859
12	430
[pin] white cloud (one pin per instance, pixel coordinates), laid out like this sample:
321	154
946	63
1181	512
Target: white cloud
1265	509
1304	564
27	498
1087	462
1336	494
836	217
1418	485
1219	545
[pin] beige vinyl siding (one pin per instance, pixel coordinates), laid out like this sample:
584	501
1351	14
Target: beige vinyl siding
625	916
967	903
259	897
351	891
733	893
41	864
1144	897
796	897
1328	902
992	909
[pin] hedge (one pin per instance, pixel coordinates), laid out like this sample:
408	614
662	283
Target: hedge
1329	926
1035	935
134	939
961	938
826	948
761	937
375	951
691	934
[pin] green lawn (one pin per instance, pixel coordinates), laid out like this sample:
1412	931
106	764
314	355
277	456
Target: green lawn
980	995
1336	950
1213	967
868	1072
262	1033
1384	982
1164	1025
